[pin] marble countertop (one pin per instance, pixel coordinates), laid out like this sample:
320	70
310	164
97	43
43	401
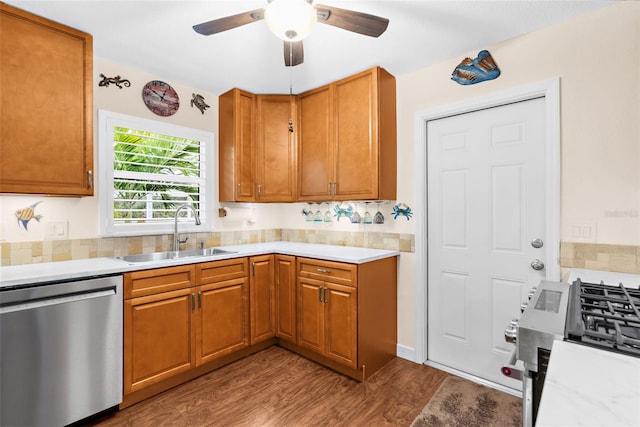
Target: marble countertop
586	386
19	275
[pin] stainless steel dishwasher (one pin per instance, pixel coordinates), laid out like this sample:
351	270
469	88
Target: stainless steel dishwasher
60	351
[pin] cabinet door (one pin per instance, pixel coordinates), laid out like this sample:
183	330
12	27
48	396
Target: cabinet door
311	314
223	318
262	298
158	338
356	152
285	284
236	147
276	149
46	125
341	323
315	144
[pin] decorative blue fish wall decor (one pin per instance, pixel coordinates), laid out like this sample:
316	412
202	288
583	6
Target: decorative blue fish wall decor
25	215
472	71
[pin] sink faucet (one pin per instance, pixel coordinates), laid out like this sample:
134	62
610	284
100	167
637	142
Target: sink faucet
176	241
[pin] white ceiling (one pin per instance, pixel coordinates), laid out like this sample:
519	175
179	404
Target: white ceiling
156	36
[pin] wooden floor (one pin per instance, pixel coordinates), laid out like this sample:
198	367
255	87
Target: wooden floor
278	388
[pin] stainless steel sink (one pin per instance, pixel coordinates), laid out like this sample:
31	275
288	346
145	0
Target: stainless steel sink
159	256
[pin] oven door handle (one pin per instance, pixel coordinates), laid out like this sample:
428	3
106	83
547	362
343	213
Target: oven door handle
513	368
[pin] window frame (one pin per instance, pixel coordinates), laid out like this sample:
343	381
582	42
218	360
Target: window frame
107	120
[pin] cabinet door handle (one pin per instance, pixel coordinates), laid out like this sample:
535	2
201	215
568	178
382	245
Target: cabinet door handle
253	268
324	295
238	191
259	191
320	293
90	178
199	300
334	188
329	188
323	270
193	302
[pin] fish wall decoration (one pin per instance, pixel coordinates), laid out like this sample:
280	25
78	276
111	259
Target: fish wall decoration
25	215
472	71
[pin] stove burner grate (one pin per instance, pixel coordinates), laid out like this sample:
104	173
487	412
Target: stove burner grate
605	316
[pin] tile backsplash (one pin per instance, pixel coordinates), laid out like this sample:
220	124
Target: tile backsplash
621	258
17	253
579	255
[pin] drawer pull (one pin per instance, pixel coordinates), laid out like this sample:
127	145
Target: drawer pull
323	270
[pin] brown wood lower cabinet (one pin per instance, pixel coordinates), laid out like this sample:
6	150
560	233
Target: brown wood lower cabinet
181	322
263	315
347	314
157	338
179	319
285	297
222	319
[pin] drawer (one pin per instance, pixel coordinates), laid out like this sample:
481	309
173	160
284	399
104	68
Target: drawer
335	272
218	271
150	282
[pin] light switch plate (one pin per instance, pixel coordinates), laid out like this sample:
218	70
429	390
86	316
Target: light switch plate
56	229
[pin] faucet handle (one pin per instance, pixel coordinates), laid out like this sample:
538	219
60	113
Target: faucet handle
183	241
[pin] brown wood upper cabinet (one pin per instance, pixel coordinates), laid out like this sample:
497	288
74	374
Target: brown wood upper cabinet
257	147
347	139
236	147
46	125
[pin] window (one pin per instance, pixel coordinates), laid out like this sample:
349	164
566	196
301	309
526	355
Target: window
147	170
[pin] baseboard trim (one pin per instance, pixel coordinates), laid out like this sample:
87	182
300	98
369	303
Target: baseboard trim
406	352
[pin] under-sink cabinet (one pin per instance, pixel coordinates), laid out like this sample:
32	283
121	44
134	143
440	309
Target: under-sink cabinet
181	321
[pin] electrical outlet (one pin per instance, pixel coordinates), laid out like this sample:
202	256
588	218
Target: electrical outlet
583	232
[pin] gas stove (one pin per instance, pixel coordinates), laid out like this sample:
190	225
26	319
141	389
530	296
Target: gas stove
598	309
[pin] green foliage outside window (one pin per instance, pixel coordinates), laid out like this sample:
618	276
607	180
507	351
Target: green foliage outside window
153	175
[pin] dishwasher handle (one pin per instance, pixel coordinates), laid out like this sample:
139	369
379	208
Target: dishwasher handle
56	299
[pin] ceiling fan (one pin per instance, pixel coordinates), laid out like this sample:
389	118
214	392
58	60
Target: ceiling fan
293	20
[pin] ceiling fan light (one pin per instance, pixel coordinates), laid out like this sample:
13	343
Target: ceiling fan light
290	20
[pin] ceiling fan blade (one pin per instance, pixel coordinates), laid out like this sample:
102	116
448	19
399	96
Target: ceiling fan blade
358	22
229	22
293	53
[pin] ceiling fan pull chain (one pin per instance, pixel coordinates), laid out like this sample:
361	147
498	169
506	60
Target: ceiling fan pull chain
290	85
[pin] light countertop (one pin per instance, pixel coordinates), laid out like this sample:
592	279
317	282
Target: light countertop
586	386
19	275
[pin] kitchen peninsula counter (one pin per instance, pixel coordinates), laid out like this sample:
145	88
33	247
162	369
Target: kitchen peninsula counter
586	386
18	275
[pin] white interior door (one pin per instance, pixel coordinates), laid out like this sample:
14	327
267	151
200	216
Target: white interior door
486	204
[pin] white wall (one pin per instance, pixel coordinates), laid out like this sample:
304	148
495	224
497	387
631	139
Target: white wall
597	57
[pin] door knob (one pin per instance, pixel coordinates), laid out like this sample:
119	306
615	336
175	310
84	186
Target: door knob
537	264
537	243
